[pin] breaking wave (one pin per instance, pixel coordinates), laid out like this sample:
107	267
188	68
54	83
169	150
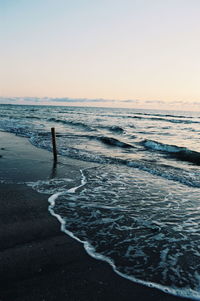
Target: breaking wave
184	121
114	128
114	142
72	123
181	153
111	128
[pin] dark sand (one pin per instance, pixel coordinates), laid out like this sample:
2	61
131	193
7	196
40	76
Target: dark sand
37	261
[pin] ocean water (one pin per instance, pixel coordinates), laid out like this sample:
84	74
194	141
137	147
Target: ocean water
139	208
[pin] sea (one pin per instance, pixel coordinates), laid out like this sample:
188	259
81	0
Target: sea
138	208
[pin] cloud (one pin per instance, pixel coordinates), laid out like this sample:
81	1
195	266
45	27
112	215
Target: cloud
99	102
45	100
130	101
7	99
156	101
19	99
195	103
63	100
84	100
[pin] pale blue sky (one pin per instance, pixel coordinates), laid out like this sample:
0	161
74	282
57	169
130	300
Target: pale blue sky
139	49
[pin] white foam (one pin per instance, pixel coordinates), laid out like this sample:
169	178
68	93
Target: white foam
52	200
162	147
182	292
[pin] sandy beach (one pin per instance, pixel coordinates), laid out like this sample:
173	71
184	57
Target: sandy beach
37	261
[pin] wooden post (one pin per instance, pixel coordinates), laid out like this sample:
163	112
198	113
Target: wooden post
54	144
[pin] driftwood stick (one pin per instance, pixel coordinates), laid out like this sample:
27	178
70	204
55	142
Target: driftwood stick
53	134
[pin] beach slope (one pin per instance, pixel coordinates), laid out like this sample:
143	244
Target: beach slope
37	261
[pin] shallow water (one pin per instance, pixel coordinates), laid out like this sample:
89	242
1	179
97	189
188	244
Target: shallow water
139	209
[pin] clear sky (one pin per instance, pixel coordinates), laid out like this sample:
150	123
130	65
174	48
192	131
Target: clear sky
143	51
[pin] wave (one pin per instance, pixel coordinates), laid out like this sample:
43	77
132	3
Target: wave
114	142
91	247
91	251
113	128
33	117
40	138
71	123
180	153
164	171
157	117
164	115
164	119
104	139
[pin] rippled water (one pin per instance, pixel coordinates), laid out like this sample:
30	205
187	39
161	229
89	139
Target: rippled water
140	208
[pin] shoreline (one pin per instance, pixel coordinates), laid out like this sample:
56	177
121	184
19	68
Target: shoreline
38	261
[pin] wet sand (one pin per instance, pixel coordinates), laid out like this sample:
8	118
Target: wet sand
37	261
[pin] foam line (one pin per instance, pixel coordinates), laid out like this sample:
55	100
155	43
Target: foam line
181	292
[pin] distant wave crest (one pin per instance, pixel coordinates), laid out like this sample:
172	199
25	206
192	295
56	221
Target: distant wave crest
114	142
184	121
72	123
181	153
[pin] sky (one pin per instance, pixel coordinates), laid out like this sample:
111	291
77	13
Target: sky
122	53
